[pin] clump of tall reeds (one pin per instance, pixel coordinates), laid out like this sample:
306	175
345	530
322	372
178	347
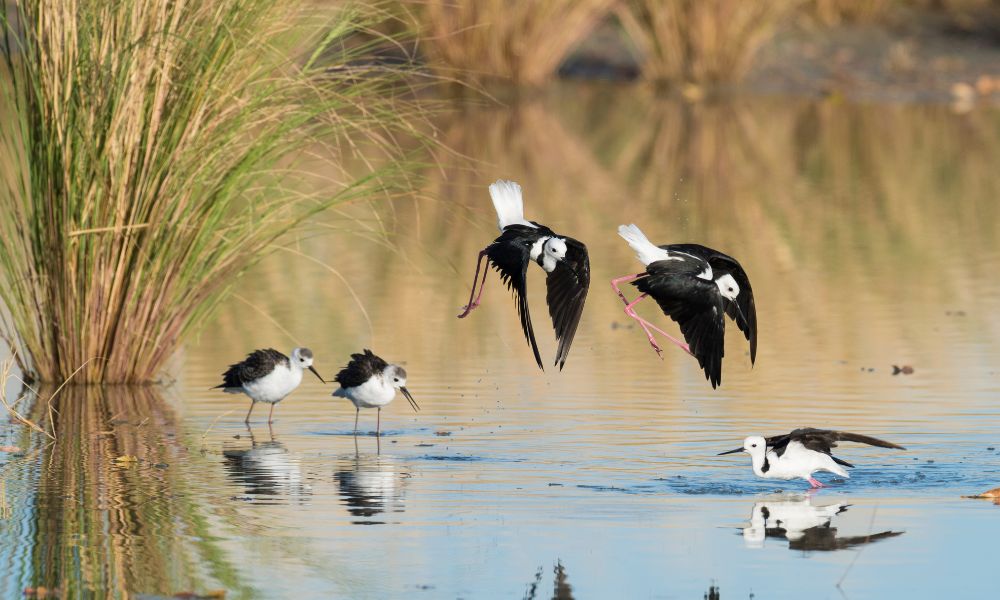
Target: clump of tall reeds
147	159
521	42
700	41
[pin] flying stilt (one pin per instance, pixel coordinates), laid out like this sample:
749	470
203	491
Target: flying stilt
521	242
801	453
370	382
267	376
695	286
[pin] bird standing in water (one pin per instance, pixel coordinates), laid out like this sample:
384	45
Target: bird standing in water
522	242
695	286
801	453
267	376
370	382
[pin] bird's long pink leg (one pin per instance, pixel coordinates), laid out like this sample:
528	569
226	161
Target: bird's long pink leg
474	303
646	325
624	279
815	483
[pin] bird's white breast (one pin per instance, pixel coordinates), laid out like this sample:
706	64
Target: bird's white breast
373	393
799	461
274	386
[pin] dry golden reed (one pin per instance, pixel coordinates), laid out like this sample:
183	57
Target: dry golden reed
522	42
700	41
145	163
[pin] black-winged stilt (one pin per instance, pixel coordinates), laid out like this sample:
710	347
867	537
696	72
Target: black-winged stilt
370	382
267	376
521	242
801	453
695	286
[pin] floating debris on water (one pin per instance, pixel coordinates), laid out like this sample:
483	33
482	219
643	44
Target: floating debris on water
993	495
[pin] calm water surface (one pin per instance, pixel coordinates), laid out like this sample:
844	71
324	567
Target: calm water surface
870	234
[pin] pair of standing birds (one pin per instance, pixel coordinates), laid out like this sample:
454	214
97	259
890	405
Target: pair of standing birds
269	376
694	285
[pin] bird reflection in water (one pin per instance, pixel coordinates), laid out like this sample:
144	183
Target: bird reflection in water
806	526
370	486
269	473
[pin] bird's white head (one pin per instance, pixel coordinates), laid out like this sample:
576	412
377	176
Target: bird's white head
395	375
556	248
728	286
755	445
302	358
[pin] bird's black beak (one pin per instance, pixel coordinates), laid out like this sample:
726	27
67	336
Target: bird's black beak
316	373
409	397
733	451
740	311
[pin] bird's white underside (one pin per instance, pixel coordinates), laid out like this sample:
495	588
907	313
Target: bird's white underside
796	462
374	393
274	386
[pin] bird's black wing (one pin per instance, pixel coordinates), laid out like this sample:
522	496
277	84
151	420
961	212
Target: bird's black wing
567	287
695	304
824	440
742	311
257	364
510	254
778	443
360	369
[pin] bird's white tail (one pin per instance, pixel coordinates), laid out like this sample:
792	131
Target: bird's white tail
645	250
506	196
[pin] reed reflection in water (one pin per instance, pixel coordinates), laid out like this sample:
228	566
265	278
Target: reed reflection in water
106	509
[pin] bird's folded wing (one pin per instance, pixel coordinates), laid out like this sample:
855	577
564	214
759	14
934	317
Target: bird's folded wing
511	261
566	294
360	369
257	364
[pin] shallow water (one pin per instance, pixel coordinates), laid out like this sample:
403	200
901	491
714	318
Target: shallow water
870	234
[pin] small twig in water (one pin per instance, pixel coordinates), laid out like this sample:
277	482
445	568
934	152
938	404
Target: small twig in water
871	528
205	435
4	375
